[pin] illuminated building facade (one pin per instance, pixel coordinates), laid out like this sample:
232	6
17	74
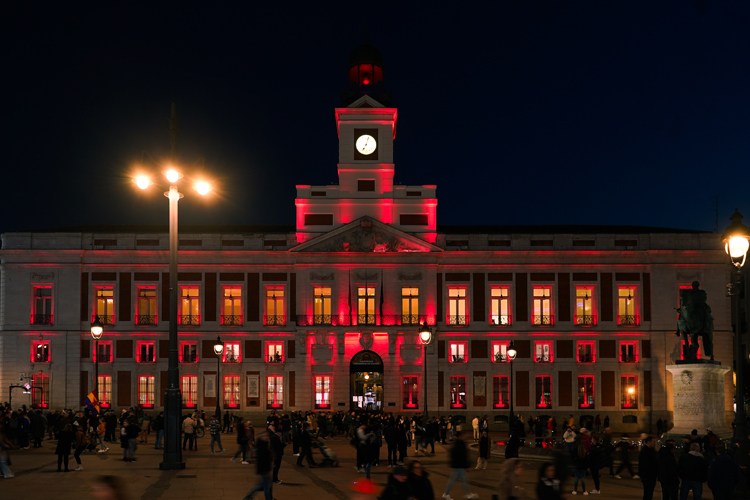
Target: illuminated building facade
324	314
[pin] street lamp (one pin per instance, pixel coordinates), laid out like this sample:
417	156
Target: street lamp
425	336
736	240
511	353
96	332
218	350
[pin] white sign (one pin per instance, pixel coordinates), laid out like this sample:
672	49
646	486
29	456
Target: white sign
253	386
209	386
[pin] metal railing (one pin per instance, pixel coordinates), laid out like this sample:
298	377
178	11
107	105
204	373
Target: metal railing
458	320
274	358
500	320
543	359
628	359
145	320
628	320
543	319
585	319
457	359
365	319
41	319
188	320
231	358
585	358
501	358
105	320
274	320
231	319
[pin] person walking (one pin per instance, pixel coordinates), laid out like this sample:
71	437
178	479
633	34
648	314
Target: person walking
398	486
5	445
419	482
548	487
723	474
277	452
580	465
81	442
65	440
511	486
390	434
668	476
263	467
188	429
214	428
242	442
597	460
623	448
692	468
648	467
459	463
484	451
305	447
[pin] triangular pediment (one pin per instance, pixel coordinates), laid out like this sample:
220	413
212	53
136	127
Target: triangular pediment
365	102
366	235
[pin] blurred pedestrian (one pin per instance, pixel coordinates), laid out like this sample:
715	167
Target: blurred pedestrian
484	450
723	474
511	486
419	482
459	462
668	477
548	487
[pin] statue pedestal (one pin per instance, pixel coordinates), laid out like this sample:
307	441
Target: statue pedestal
698	398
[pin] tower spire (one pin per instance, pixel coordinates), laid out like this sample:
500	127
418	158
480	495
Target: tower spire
174	132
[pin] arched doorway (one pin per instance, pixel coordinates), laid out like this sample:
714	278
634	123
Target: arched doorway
366	369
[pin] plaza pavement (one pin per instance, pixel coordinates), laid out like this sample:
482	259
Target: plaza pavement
215	477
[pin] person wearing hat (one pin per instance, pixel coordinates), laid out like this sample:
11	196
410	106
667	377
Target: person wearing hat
397	487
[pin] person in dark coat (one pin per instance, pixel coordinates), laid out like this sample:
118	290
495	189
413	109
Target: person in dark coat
512	447
459	464
419	482
65	439
723	474
397	487
597	460
648	467
263	458
548	487
580	458
692	468
124	443
668	477
484	450
305	445
277	450
390	434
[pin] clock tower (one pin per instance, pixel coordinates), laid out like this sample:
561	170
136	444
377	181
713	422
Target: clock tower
366	126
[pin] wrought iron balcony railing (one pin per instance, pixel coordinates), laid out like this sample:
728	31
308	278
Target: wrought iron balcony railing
274	358
188	320
585	358
231	319
500	320
585	319
41	319
145	320
105	320
543	359
628	359
628	320
365	319
458	359
274	320
190	358
543	319
501	358
458	320
231	358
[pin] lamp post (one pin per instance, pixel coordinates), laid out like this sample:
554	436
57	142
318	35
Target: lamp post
511	353
96	333
218	350
736	240
425	336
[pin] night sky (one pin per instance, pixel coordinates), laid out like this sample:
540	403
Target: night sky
632	113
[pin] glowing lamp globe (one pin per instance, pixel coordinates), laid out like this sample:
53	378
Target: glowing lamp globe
511	352
425	335
172	175
97	328
218	346
142	181
631	390
737	240
202	187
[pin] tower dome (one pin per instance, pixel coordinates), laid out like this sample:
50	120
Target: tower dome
366	76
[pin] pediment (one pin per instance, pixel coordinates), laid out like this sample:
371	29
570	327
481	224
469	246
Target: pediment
365	102
366	235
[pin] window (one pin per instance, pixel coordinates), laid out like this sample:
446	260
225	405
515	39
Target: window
458	352
543	351
322	392
629	351
409	305
366	185
146	391
145	352
411	392
189	391
500	306
458	392
190	306
626	312
188	352
40	351
275	391
585	312
457	307
275	352
41	312
543	391
500	351
103	351
543	306
232	306
104	307
146	313
586	351
322	305
231	353
366	305
585	391
40	396
629	392
231	391
500	392
275	315
105	391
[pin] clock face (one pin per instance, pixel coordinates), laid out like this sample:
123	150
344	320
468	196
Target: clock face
366	144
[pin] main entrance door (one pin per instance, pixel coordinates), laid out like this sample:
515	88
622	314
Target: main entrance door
366	369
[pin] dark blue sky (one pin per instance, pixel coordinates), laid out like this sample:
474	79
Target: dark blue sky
525	113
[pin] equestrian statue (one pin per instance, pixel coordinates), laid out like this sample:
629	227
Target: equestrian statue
695	321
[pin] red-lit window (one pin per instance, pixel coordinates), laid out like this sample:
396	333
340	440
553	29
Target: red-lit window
103	351
458	391
585	307
275	391
543	351
629	351
500	393
145	314
458	352
500	306
40	392
105	391
190	306
231	391
500	351
586	351
41	306
40	351
543	310
231	312
275	307
274	352
543	391
188	352
627	302
189	391
145	352
231	353
411	392
104	305
322	392
457	307
629	391
146	393
585	391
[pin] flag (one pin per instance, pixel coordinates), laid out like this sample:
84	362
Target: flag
92	403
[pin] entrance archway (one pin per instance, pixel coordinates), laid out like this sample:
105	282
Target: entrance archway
366	372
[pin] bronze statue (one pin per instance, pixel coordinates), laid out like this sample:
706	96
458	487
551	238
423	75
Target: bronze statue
695	321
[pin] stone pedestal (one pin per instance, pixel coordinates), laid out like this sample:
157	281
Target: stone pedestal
698	398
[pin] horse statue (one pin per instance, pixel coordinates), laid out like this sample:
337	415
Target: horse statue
695	321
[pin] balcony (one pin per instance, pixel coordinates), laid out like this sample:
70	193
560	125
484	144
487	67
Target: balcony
189	358
231	319
274	358
188	320
274	320
364	319
500	320
501	358
41	319
628	359
105	320
458	320
585	358
585	319
324	320
543	359
543	319
145	320
406	319
456	358
628	320
231	358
